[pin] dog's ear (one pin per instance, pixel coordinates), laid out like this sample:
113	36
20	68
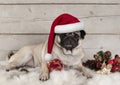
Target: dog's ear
82	34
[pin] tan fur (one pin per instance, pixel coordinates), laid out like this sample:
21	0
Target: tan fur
34	56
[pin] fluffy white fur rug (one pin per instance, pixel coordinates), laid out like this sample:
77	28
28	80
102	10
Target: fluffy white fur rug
56	78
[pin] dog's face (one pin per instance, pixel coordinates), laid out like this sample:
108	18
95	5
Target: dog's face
69	41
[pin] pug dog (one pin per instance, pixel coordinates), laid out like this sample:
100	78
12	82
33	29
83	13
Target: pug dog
67	48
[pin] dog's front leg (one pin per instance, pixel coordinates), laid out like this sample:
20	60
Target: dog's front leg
44	72
85	72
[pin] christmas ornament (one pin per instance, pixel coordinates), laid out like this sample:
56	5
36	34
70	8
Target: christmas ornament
103	56
55	64
99	58
105	69
115	63
64	23
103	64
90	64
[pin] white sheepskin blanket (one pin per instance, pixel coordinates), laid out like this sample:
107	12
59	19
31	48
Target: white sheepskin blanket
16	77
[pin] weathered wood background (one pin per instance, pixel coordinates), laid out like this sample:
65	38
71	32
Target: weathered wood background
27	22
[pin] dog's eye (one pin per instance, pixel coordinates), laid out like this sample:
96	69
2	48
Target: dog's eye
78	32
62	35
77	36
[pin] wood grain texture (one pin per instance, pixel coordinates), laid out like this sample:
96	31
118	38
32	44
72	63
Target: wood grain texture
93	25
102	41
38	19
59	1
49	12
14	42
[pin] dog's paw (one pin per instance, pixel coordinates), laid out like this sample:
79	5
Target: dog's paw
89	76
44	76
8	68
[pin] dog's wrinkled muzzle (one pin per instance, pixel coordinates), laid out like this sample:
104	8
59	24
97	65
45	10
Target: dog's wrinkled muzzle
69	43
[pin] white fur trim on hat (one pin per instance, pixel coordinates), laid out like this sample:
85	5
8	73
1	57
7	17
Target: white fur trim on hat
48	57
69	27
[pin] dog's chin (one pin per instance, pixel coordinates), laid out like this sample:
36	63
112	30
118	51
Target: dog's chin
67	52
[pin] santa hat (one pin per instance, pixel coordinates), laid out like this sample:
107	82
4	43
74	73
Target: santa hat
64	23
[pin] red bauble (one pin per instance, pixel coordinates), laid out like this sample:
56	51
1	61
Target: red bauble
55	64
115	68
116	56
108	52
98	64
115	63
111	61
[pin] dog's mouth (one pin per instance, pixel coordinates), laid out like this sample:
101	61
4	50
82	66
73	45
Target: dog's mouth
67	52
68	48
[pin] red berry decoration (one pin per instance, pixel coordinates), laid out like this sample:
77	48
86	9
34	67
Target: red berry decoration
115	68
98	64
108	53
110	61
55	64
103	57
100	58
116	56
115	63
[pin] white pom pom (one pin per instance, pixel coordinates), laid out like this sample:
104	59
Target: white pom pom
48	57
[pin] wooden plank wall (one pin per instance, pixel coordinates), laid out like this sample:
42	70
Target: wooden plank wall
27	22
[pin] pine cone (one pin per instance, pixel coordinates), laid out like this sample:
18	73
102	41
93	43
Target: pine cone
90	64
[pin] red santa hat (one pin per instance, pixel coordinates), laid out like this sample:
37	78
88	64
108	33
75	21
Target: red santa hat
64	23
